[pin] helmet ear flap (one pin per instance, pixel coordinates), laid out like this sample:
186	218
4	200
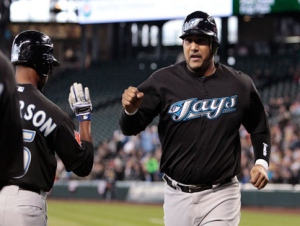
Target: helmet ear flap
47	62
214	47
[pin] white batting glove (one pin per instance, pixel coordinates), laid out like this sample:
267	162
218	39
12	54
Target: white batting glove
80	102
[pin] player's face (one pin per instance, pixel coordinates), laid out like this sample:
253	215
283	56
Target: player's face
197	53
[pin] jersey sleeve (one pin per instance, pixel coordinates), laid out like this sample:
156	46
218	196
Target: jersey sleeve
257	124
77	155
149	109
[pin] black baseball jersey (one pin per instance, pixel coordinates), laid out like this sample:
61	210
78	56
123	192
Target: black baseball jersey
199	121
11	140
48	131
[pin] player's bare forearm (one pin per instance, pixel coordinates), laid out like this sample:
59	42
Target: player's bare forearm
259	176
85	131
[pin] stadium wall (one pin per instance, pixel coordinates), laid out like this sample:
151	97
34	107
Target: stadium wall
274	195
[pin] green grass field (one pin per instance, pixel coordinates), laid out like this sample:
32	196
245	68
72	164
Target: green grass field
75	213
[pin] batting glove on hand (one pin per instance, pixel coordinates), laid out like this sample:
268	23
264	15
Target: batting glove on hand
80	102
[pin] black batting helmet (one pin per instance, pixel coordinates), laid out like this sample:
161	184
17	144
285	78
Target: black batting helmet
200	23
34	49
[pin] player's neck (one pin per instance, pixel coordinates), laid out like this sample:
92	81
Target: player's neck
210	70
25	75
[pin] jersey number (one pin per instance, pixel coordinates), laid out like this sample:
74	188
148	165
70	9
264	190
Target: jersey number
28	136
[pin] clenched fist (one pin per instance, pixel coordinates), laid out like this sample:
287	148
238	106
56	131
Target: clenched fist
259	176
132	99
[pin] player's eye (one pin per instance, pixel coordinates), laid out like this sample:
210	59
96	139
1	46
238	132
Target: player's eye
202	41
188	41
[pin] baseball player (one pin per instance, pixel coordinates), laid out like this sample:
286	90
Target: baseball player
47	131
201	106
11	140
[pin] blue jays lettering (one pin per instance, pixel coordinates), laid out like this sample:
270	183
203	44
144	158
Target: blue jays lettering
194	108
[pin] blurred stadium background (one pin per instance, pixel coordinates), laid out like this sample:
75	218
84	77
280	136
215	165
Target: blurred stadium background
109	45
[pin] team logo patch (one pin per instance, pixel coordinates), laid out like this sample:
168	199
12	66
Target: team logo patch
77	137
192	24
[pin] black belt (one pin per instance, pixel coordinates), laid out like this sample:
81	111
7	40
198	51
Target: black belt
194	188
38	191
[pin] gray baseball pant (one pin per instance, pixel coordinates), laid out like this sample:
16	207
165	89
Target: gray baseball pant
22	208
219	206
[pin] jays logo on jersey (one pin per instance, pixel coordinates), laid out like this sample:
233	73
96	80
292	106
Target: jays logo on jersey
211	108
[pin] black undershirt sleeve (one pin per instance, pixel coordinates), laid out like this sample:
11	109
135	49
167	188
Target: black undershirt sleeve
261	143
257	125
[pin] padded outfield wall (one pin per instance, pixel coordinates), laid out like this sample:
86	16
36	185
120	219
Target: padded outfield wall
273	195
